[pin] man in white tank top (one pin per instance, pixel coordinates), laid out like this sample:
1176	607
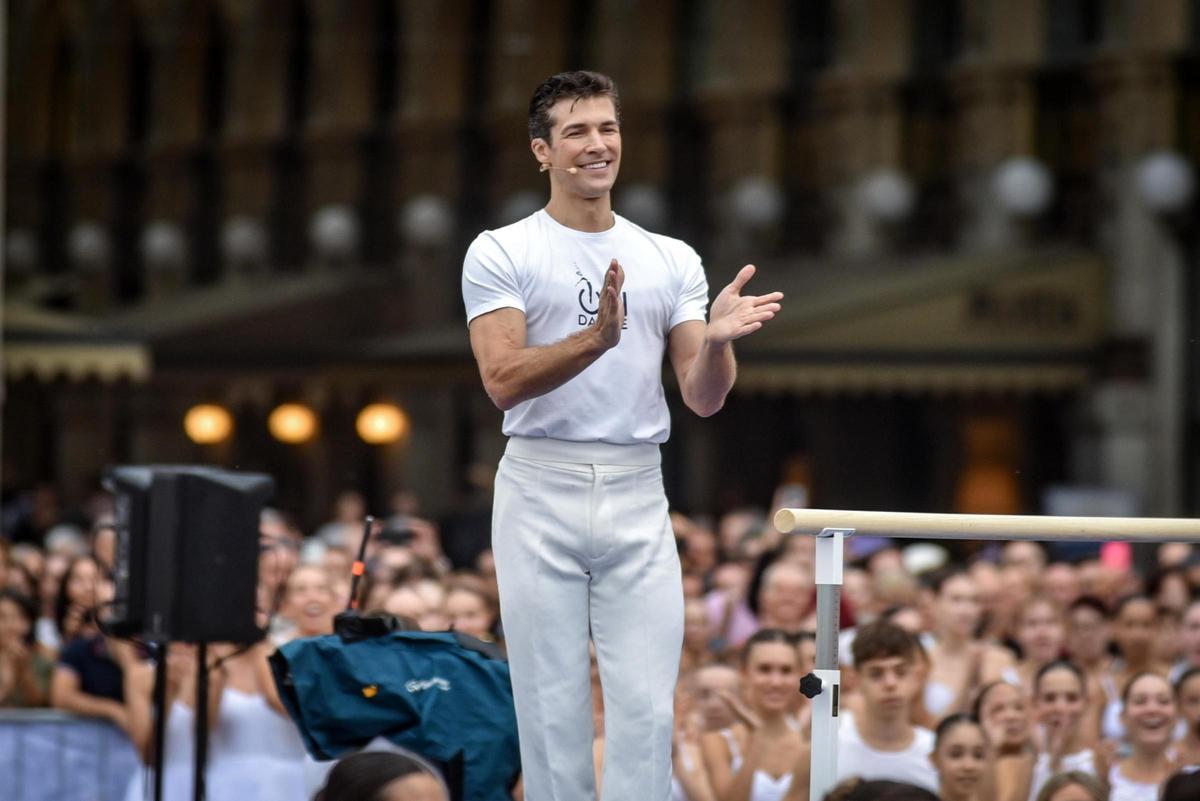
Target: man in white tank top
570	312
879	741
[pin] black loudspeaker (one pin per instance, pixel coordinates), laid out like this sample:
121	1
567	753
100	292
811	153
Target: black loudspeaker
187	552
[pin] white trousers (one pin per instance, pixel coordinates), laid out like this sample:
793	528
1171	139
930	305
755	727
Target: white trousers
583	542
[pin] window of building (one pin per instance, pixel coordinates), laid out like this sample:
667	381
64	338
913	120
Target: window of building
298	65
1067	117
141	63
812	37
1074	28
937	34
387	60
215	74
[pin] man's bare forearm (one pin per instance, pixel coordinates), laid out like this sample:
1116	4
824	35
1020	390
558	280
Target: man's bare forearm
532	371
710	378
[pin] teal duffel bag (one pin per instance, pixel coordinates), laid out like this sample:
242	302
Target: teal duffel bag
443	695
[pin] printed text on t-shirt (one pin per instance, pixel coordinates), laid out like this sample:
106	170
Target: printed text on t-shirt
589	303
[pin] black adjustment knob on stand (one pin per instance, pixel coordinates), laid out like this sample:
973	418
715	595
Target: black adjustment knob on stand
811	685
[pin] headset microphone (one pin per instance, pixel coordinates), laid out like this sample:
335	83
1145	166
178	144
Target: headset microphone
571	170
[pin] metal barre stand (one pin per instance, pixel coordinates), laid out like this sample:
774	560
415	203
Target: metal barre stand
829	558
826	675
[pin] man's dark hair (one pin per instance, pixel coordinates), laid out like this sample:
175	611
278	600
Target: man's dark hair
881	639
574	85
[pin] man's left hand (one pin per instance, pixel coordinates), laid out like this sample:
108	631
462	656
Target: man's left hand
734	315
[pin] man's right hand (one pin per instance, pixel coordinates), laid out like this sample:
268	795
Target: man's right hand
611	317
514	372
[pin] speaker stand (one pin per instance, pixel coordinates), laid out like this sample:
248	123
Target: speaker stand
160	715
201	721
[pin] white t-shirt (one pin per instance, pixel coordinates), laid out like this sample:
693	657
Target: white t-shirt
912	765
554	274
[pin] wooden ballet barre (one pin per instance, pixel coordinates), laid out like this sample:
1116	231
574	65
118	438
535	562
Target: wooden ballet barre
989	527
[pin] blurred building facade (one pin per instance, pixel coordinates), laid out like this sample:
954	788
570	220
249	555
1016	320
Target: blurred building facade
981	212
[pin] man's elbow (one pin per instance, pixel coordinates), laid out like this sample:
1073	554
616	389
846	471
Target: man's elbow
705	408
501	395
503	403
500	400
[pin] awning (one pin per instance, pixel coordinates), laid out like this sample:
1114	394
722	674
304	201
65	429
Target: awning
49	345
910	379
1024	322
76	361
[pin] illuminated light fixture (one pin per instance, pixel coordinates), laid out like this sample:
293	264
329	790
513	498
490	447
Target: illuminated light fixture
887	194
427	221
757	202
381	424
1165	181
1023	186
335	233
292	423
207	424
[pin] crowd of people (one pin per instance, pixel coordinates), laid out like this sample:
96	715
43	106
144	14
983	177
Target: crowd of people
1009	674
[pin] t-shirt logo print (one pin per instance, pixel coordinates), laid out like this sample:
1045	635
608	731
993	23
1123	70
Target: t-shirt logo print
589	302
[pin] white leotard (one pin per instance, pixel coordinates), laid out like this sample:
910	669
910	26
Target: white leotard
1084	761
766	787
1123	789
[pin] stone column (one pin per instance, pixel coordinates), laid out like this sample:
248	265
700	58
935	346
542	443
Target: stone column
1141	444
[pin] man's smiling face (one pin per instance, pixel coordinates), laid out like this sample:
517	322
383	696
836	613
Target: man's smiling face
586	135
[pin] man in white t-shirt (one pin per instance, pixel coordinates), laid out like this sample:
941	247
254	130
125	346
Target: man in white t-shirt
570	312
879	740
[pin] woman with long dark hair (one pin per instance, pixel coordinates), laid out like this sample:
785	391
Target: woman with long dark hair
89	677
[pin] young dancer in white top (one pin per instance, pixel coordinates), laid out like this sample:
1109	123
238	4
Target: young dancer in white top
958	662
960	755
754	760
571	311
1149	713
1060	699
